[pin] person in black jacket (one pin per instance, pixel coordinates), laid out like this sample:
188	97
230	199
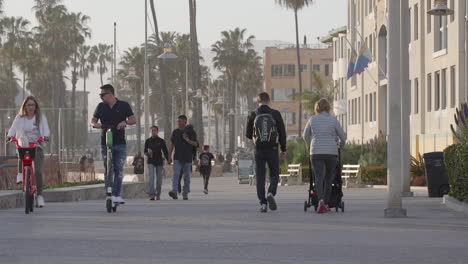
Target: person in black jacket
155	148
265	127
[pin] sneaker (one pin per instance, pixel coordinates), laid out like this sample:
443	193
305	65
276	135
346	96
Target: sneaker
158	198
271	202
118	199
205	191
321	207
173	195
19	178
263	208
40	201
185	196
152	198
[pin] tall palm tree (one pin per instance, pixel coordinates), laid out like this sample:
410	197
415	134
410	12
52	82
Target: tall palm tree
86	60
134	58
196	69
251	78
297	5
231	58
78	32
103	53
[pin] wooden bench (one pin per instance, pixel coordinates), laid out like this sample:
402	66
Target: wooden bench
349	172
293	177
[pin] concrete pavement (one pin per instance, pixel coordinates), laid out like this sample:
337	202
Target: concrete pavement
225	227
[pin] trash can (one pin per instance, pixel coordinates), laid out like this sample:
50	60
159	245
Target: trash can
436	174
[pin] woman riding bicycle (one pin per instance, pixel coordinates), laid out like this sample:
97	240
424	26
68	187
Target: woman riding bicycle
30	123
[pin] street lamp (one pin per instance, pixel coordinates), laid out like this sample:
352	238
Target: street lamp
440	9
132	77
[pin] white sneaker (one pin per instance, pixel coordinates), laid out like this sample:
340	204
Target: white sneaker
40	201
118	199
19	178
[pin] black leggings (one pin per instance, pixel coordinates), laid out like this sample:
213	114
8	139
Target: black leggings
324	168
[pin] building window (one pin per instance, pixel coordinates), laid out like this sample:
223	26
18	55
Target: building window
453	87
452	6
437	91
349	112
441	34
429	92
282	70
375	106
371	108
444	88
327	69
416	22
282	94
303	67
289	118
316	67
416	96
359	110
429	17
367	108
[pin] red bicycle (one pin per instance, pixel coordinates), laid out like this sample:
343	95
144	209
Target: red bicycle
27	155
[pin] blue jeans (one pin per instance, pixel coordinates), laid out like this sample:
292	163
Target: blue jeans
159	170
119	155
186	167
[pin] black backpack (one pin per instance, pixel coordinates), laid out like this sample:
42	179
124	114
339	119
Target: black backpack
265	132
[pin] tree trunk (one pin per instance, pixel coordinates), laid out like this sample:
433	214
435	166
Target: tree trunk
232	137
196	72
162	79
217	133
298	72
73	104
138	108
85	111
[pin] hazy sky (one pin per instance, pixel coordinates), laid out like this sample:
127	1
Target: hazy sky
263	18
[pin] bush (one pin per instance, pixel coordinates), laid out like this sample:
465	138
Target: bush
374	175
350	153
375	152
456	162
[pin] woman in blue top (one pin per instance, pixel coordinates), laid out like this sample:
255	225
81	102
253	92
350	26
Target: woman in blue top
322	133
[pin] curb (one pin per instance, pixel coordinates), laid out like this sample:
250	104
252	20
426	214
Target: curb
14	199
455	204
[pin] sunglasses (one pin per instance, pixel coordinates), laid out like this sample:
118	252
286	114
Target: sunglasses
102	94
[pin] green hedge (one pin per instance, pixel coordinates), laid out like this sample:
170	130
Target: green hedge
456	162
374	175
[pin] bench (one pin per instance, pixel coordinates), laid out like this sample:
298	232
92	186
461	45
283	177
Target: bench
293	177
349	172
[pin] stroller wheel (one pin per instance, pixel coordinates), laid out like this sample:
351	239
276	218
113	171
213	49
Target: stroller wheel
336	209
306	204
342	206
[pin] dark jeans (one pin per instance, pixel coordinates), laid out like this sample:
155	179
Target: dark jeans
270	157
205	171
324	169
119	154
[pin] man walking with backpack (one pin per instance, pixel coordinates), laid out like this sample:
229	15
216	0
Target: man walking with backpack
265	127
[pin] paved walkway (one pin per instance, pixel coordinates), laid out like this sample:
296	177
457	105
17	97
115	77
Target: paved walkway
225	227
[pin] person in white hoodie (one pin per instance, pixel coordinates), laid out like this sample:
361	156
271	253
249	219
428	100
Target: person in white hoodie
32	124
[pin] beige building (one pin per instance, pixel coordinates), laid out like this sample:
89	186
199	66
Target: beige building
436	72
281	80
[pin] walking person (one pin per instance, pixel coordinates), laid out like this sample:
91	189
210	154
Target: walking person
30	123
184	140
204	163
155	148
265	127
322	132
117	114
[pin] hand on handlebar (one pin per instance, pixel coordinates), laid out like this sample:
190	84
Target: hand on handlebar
8	139
97	125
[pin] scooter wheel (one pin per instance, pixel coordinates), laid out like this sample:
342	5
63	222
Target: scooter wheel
305	206
114	209
109	205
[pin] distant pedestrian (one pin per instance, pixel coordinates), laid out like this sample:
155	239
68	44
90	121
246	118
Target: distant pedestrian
155	148
204	163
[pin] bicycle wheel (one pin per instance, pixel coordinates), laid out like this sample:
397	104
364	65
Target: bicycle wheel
27	190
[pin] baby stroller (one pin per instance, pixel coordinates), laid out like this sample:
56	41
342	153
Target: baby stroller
336	194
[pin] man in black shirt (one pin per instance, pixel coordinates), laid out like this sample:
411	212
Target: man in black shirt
155	147
265	151
183	141
115	114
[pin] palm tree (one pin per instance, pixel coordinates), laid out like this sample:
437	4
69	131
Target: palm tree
133	58
251	78
103	53
86	60
309	98
196	69
297	5
231	58
78	32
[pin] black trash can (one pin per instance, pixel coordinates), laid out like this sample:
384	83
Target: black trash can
436	174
